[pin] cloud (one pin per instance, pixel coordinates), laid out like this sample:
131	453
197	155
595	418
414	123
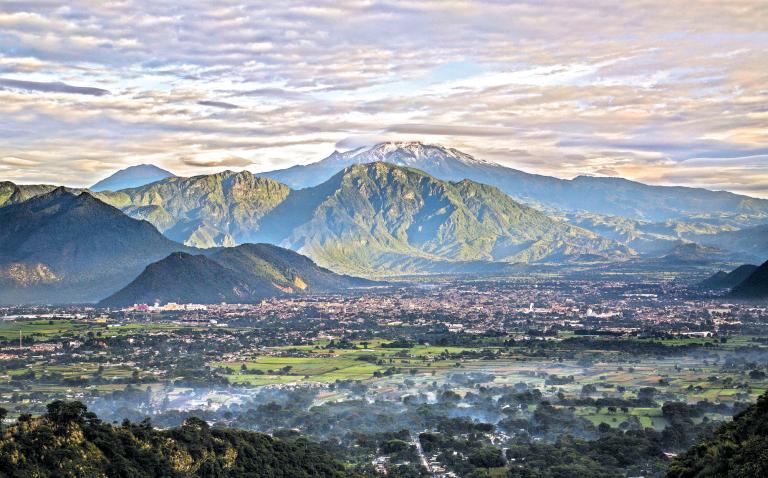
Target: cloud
229	161
648	90
20	162
218	104
274	93
359	141
450	130
51	87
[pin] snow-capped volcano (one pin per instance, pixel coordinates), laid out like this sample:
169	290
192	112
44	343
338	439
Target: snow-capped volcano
442	162
407	153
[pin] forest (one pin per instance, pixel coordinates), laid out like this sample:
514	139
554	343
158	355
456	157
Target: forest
70	441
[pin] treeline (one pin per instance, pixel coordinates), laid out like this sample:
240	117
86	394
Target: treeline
70	441
535	347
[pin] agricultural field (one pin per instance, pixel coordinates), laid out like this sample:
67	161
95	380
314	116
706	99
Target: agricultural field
40	330
689	379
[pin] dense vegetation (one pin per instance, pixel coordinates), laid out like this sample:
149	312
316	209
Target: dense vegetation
738	449
69	441
409	220
219	209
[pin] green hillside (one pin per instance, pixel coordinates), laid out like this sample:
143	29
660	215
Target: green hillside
377	216
738	449
203	211
69	441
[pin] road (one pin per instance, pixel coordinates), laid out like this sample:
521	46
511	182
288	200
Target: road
422	457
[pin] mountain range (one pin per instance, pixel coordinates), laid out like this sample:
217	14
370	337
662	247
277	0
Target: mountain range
381	217
62	247
649	220
751	242
601	195
411	207
221	209
368	218
69	247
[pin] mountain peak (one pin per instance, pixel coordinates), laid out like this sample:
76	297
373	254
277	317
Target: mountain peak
727	280
59	191
379	168
61	195
412	153
91	247
131	177
71	198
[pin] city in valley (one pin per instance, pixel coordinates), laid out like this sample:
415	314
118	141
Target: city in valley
420	377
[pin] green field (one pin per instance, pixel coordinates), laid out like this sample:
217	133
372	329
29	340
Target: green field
41	329
613	375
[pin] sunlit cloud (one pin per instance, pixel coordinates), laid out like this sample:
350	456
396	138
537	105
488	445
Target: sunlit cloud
662	91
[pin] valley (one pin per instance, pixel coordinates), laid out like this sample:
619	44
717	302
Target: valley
383	239
509	363
403	322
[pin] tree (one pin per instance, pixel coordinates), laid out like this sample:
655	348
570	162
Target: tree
487	457
62	413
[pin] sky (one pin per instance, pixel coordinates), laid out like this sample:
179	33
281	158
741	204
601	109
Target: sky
660	91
